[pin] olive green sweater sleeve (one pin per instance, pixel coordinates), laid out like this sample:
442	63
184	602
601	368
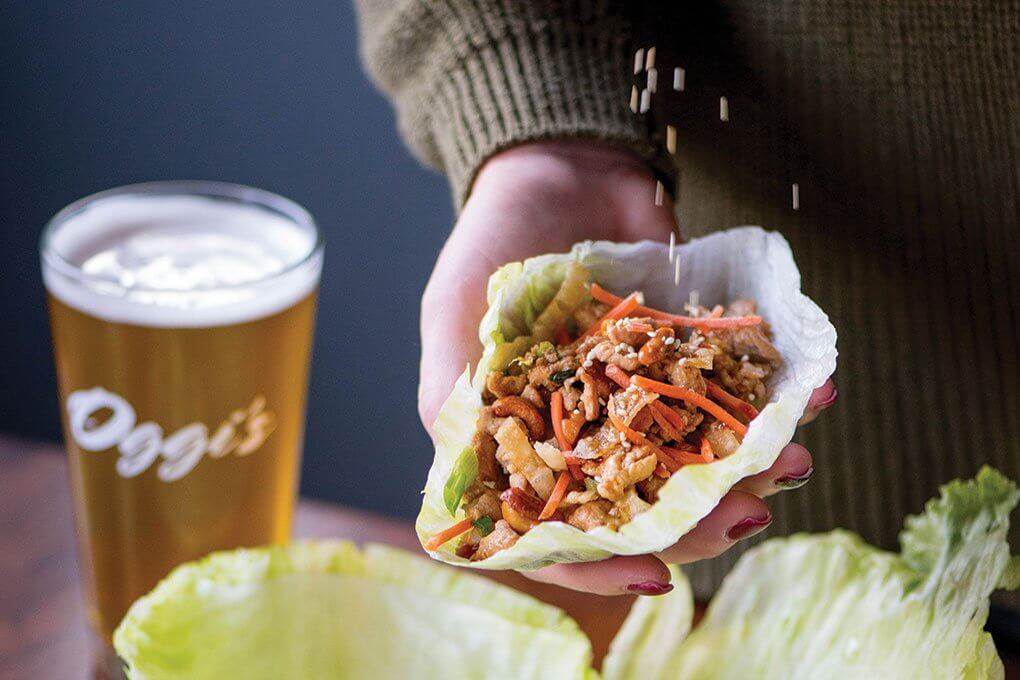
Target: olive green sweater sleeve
470	78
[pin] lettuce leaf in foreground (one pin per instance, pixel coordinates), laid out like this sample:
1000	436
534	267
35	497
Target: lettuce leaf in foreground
327	610
832	606
529	300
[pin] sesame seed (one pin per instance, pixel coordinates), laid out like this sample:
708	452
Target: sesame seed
646	101
650	334
670	341
639	60
653	80
679	76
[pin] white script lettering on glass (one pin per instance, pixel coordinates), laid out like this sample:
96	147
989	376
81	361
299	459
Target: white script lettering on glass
140	444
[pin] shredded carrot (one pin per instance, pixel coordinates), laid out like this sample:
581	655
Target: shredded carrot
731	402
618	375
556	413
684	457
556	496
622	309
448	534
640	327
706	450
630	433
562	336
705	323
691	397
663	421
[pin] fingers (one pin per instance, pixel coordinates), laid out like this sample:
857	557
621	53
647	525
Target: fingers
793	468
738	515
821	399
622	575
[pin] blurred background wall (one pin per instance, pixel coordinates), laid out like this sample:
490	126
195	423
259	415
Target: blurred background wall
98	94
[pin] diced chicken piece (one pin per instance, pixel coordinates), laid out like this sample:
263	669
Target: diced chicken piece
517	456
628	507
551	455
722	439
603	442
481	501
501	538
621	471
590	515
485	451
533	396
628	403
589	397
649	488
579	497
586	315
608	352
683	374
618	334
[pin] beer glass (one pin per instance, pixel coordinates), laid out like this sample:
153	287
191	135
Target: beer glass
182	316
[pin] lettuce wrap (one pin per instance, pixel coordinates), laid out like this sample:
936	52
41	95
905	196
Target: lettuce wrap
832	606
530	301
329	610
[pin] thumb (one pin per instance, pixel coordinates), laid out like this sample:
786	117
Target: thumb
452	305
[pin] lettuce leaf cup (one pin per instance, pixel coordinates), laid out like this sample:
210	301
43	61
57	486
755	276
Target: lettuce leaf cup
537	465
830	605
329	610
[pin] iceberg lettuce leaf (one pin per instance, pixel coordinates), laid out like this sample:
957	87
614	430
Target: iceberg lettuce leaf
829	605
329	610
529	300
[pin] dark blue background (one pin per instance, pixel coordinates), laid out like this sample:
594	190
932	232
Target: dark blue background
270	94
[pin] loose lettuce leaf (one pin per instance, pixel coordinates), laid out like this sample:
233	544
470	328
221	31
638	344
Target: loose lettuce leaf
328	610
529	300
831	606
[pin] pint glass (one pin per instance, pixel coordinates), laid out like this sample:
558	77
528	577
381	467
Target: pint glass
182	316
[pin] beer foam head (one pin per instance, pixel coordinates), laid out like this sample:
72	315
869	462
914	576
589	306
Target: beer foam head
179	260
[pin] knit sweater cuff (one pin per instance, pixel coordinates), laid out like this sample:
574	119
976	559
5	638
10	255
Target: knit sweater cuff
486	81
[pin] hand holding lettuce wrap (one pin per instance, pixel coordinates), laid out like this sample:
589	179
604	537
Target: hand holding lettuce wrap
542	198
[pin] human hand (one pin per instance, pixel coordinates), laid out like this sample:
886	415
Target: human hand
543	197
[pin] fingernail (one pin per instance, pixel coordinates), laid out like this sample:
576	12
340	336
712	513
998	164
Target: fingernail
748	526
831	399
650	588
795	480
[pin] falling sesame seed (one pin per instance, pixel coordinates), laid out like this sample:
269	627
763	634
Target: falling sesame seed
672	245
646	101
650	58
795	190
659	189
634	98
676	272
653	80
639	60
670	139
724	109
679	76
694	299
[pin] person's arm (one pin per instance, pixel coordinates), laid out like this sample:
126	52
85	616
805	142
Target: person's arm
524	106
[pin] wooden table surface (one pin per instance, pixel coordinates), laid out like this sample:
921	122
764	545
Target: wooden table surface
42	617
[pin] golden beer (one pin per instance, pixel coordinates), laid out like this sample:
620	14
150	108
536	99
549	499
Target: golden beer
182	317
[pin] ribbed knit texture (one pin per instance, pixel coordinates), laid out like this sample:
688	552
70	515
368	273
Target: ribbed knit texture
901	123
471	78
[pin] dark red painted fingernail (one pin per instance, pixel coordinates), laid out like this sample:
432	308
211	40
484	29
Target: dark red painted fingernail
748	526
650	588
795	480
